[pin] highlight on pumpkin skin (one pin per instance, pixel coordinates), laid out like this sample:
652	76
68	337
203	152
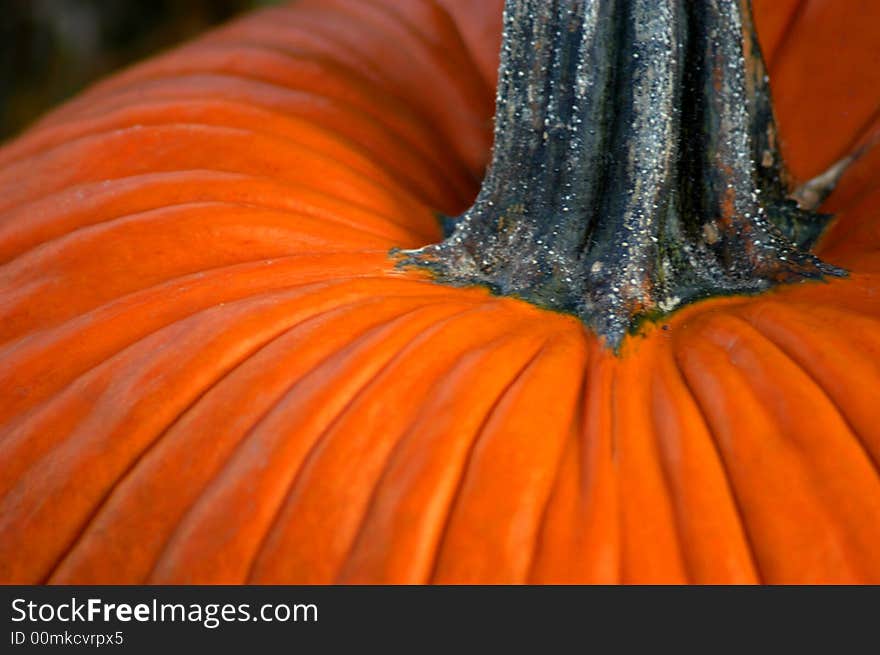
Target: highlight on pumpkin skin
212	373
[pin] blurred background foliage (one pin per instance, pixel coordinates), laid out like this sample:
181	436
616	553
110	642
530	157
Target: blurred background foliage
50	49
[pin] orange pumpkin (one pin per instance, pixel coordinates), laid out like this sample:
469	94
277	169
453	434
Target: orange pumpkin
212	371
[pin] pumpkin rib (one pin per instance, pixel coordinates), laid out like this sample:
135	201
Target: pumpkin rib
69	514
583	521
856	297
458	172
51	245
188	279
802	311
371	496
347	175
851	298
847	437
31	477
357	447
477	81
480	27
41	234
43	275
614	452
49	374
469	148
139	457
304	442
536	575
50	342
461	80
532	576
304	293
351	124
183	63
509	474
843	310
725	469
600	418
672	495
454	58
349	569
357	236
749	528
119	523
307	199
804	535
345	86
132	472
143	93
339	511
647	504
816	384
716	547
383	234
457	494
432	189
556	502
380	239
423	223
488	82
216	57
794	324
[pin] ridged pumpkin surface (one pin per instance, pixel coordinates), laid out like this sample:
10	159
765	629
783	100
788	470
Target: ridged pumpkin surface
212	373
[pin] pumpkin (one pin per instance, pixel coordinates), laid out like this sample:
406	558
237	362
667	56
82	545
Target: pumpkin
214	372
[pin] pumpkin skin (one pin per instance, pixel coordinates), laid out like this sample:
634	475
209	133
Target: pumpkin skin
213	373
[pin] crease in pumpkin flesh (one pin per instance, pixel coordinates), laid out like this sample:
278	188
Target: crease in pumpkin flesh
635	167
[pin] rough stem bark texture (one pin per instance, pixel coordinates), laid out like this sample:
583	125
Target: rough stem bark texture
635	165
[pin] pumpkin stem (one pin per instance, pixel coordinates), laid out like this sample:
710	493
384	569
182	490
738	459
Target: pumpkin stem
635	165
